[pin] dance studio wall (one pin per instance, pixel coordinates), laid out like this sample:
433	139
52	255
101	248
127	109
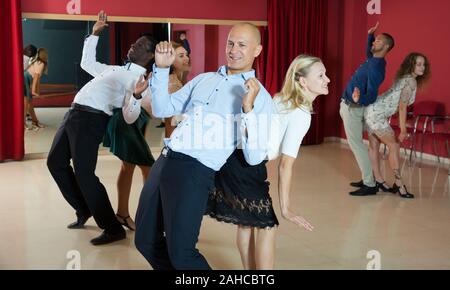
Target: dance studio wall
196	37
416	25
199	9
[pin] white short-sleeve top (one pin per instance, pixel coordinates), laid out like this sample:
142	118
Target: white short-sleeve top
288	127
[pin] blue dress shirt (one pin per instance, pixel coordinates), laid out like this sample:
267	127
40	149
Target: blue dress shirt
213	122
367	78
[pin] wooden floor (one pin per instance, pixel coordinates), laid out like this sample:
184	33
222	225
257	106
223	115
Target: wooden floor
406	234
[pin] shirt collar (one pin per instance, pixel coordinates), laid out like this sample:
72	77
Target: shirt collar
135	67
246	75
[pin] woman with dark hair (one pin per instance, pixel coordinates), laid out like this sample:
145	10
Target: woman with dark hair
413	73
32	79
126	140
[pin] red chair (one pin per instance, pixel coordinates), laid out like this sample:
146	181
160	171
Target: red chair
424	112
440	128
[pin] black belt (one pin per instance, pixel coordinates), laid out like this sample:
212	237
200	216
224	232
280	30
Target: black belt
78	107
167	152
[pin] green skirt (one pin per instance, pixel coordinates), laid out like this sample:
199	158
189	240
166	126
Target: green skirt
127	141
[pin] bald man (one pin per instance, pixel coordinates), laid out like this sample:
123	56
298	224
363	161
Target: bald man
221	110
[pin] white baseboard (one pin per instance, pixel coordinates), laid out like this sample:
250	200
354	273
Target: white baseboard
426	156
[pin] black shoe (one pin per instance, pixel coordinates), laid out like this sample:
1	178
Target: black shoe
162	125
357	184
126	221
79	223
382	186
365	190
106	238
396	189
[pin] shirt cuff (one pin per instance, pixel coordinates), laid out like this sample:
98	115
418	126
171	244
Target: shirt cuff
249	129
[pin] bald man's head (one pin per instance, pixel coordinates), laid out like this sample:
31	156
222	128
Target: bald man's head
253	29
243	46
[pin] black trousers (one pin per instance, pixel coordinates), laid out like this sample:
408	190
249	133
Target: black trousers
171	207
78	138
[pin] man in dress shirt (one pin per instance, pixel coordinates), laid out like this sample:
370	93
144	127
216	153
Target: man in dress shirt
364	83
83	127
175	195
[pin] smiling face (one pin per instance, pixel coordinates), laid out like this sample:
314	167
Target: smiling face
379	44
139	51
181	63
242	48
420	67
316	81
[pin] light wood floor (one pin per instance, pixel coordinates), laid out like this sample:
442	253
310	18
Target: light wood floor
408	234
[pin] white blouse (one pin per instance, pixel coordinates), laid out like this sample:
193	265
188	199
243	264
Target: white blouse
288	128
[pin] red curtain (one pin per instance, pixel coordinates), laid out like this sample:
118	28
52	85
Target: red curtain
261	60
11	82
295	27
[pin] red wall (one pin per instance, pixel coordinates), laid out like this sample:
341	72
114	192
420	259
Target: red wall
196	37
198	9
416	25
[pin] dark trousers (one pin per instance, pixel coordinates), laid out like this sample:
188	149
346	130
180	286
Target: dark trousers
170	212
78	138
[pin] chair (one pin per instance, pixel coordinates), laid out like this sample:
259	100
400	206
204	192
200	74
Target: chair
440	128
424	112
395	125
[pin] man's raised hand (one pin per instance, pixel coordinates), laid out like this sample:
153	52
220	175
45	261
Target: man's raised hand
100	24
164	54
374	29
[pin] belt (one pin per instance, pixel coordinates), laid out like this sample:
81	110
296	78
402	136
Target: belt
351	104
83	108
167	152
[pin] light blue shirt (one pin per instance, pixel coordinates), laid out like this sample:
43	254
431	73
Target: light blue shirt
213	123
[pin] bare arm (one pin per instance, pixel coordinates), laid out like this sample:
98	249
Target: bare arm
35	85
405	96
402	112
284	187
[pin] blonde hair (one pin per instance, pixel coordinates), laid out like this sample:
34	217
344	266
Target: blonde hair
292	94
42	56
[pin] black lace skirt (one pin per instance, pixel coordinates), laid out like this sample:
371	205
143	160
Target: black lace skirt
241	195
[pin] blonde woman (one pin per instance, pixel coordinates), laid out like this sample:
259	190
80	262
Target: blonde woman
242	192
32	79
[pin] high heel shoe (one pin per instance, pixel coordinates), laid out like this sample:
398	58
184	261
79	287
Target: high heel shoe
383	187
125	222
38	125
396	189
